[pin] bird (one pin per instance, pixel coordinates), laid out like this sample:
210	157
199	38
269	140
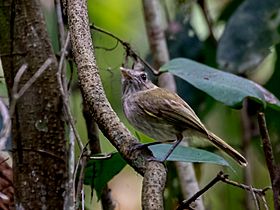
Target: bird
163	115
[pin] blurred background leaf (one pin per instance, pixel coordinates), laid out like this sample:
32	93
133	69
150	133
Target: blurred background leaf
192	41
249	33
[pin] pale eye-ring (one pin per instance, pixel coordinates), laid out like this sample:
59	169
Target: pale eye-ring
143	77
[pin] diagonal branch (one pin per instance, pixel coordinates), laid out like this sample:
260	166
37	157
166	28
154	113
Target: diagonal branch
100	109
63	90
127	47
269	158
221	177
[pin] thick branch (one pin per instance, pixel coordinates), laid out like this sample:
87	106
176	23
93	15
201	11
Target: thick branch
95	98
39	144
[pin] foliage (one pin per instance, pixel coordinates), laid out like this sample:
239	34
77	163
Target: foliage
250	32
222	86
240	44
100	171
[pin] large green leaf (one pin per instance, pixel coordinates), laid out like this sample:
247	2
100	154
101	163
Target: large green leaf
222	86
251	30
187	154
100	171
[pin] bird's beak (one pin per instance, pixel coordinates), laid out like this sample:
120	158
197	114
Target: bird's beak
125	73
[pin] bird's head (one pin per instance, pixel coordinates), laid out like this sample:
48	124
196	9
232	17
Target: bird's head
134	81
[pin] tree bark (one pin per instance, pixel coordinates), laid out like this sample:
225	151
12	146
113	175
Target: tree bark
39	145
100	109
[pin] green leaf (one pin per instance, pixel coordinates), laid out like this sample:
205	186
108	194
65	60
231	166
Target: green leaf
187	154
222	86
99	172
251	30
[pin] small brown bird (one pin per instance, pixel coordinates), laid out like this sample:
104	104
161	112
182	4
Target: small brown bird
163	115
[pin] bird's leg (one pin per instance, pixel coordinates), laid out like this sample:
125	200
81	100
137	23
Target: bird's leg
157	142
146	146
175	144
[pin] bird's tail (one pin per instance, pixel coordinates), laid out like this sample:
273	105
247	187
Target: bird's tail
227	148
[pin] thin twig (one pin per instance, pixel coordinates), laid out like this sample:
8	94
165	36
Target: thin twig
246	138
17	94
3	161
205	11
83	199
6	124
223	178
107	48
37	74
269	158
70	197
264	203
254	198
82	163
186	203
64	93
17	79
60	23
266	145
127	47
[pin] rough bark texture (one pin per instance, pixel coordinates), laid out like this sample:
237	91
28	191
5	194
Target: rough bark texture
6	185
39	146
160	54
273	169
99	106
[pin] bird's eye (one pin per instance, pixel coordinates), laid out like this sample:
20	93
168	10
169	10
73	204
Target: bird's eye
144	77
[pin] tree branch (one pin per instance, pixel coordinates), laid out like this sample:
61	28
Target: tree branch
6	128
223	178
64	92
274	171
94	95
129	51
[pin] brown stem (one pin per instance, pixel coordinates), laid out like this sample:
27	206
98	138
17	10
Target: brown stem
205	11
186	204
100	109
246	139
223	178
60	24
82	162
127	47
274	171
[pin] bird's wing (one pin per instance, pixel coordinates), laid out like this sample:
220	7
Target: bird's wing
170	107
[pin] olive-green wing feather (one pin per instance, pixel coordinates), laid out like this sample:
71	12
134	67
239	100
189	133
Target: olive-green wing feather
170	107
